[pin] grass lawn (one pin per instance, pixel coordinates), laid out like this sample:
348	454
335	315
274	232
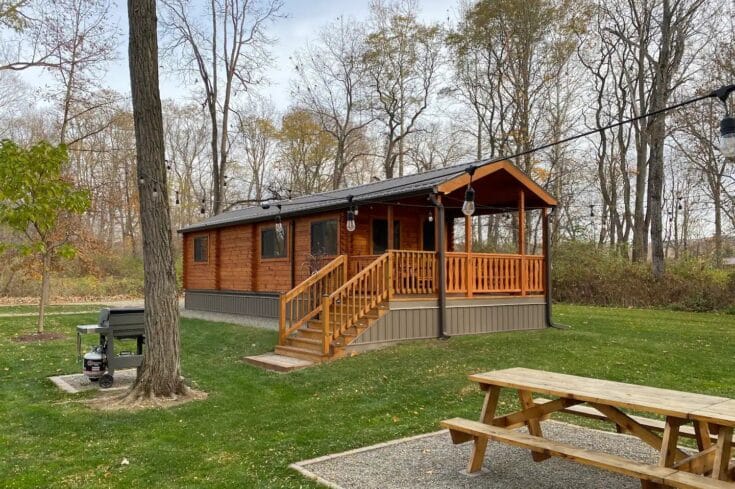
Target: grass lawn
255	423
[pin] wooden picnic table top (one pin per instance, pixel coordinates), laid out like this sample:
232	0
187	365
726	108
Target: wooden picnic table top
686	405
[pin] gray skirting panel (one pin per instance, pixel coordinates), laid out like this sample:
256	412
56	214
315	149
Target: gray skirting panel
418	319
246	303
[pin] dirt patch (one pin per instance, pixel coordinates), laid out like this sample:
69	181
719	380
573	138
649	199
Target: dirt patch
116	402
30	338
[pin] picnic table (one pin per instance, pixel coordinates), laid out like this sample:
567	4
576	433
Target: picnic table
712	419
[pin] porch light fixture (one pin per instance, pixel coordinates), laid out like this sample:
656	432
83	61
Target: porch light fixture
351	220
468	208
351	213
727	125
279	225
431	216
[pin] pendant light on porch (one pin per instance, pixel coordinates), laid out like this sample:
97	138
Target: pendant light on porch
351	220
468	208
351	213
279	225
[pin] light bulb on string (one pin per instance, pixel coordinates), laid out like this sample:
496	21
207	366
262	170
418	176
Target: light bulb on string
351	220
431	216
155	192
468	207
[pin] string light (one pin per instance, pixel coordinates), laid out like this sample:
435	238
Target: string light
727	125
592	210
468	208
350	215
351	220
280	232
431	216
155	191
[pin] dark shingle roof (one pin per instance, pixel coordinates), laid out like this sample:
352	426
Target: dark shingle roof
337	199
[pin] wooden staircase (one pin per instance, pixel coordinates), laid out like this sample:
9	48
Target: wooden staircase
320	330
306	342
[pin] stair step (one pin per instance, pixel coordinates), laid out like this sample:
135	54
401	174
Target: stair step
295	352
312	333
305	343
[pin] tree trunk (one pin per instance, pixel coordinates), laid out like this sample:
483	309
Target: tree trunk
45	287
159	376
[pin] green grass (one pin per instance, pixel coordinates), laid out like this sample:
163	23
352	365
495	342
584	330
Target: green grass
255	423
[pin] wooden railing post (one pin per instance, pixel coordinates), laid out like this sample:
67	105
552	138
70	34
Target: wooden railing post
326	333
391	289
345	274
282	319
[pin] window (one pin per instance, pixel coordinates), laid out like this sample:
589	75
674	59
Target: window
324	238
272	245
380	236
201	249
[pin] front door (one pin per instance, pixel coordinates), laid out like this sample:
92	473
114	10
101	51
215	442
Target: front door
380	236
429	236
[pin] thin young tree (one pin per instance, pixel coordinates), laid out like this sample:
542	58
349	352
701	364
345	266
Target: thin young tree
160	373
332	85
402	59
226	54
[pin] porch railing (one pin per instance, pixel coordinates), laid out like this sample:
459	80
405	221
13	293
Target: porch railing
486	273
357	263
414	272
304	302
352	301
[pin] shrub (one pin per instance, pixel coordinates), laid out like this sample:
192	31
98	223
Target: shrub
583	273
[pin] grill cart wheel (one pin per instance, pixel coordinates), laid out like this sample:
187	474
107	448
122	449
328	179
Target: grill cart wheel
106	381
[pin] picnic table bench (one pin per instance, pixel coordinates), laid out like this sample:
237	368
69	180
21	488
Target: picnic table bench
712	419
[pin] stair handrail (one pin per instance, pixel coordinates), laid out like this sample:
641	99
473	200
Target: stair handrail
328	278
376	282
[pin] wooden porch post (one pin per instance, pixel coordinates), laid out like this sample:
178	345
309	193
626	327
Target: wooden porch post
468	250
391	244
545	244
522	239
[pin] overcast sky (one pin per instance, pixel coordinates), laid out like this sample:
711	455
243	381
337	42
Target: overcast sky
304	19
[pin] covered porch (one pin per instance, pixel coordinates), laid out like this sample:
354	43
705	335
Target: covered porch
422	251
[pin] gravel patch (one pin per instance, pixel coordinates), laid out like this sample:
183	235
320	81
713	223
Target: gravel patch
74	383
240	319
431	461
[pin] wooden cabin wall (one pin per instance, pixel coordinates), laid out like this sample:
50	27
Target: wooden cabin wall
235	263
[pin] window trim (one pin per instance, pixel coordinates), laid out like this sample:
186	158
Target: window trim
338	221
286	247
194	249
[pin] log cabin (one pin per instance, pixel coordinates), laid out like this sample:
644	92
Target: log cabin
357	268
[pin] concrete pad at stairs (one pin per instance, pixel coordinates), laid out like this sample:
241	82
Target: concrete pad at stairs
278	363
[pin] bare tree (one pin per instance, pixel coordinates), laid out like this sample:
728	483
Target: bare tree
259	138
332	84
226	55
402	59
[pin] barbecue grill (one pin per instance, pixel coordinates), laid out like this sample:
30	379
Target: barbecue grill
100	363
